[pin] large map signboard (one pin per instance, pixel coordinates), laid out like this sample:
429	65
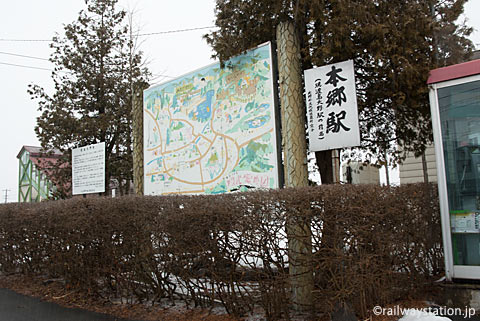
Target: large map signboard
213	130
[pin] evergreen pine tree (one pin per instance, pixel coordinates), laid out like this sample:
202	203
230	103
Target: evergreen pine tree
96	68
394	44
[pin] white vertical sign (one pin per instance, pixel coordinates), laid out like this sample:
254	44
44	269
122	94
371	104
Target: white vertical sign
332	111
88	169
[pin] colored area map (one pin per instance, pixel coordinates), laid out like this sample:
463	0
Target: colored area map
213	130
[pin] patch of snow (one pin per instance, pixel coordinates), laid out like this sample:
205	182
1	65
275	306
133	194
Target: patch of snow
419	315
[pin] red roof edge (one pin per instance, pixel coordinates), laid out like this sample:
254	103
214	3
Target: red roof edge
462	70
36	151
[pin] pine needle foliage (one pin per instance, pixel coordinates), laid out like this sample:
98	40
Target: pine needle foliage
394	44
96	67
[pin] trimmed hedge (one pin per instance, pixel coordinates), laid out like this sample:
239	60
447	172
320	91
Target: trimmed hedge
371	245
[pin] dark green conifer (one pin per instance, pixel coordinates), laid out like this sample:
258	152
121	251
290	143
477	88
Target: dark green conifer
96	67
394	44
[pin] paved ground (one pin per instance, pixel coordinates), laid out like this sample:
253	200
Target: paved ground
17	307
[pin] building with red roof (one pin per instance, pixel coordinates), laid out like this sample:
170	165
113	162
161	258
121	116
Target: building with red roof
35	177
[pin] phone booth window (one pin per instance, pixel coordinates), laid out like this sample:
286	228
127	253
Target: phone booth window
460	123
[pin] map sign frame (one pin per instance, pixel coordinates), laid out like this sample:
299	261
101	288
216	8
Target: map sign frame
213	130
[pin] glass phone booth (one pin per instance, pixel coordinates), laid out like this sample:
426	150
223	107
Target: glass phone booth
455	106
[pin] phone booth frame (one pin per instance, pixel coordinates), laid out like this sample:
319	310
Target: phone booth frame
454	94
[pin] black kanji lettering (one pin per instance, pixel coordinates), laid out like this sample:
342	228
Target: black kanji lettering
334	76
336	96
334	122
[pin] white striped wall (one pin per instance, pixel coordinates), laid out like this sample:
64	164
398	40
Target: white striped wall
411	171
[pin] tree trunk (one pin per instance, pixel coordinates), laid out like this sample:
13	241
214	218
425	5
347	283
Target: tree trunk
137	128
425	168
295	163
325	166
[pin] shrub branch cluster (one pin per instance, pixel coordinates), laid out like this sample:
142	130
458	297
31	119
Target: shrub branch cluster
370	245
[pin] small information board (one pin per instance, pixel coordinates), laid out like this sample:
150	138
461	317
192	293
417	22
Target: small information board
463	221
88	169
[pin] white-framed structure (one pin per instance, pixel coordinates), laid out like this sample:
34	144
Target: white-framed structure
88	169
455	106
214	130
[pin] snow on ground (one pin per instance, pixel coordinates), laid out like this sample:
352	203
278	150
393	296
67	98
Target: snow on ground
419	315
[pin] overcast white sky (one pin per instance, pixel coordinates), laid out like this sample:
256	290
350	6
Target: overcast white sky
169	54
